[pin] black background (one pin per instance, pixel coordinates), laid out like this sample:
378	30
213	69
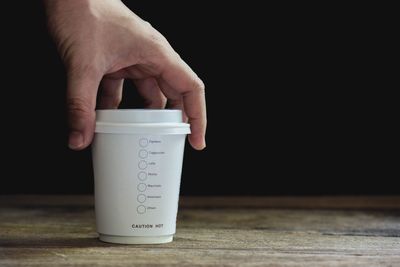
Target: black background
298	100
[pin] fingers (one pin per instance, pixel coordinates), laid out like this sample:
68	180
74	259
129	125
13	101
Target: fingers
110	93
150	91
81	102
175	100
195	109
178	76
178	104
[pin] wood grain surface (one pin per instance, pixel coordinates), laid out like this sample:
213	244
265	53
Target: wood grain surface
211	231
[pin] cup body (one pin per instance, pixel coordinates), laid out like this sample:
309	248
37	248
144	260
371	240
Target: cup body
137	171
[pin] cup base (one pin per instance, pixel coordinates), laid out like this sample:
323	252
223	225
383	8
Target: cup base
136	239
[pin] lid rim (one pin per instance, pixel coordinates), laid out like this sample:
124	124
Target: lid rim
142	128
139	116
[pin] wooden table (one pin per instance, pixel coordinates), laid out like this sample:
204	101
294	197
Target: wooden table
261	231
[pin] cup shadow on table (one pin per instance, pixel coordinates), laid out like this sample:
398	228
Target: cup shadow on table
86	242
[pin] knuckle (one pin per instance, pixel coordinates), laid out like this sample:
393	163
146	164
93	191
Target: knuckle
156	41
198	86
78	107
158	45
147	24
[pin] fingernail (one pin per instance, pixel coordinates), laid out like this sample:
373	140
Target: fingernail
75	140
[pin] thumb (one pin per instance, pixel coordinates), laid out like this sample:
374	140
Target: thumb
81	103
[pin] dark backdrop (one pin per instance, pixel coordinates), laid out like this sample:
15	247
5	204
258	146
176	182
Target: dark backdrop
298	100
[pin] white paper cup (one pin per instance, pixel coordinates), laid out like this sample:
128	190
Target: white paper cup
137	161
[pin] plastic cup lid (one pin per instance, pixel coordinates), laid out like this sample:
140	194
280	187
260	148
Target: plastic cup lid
162	121
139	115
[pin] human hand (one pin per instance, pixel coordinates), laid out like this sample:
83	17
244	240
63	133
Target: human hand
102	43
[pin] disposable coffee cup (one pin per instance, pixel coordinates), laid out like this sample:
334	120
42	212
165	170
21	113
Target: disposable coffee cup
137	161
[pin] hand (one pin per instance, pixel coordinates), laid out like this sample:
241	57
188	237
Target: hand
101	44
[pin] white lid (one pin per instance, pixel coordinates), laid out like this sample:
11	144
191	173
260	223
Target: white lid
139	115
139	121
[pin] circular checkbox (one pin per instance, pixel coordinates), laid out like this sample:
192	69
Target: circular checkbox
141	198
142	165
142	176
141	187
141	209
143	142
143	153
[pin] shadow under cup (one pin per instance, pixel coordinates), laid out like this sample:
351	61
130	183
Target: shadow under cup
137	161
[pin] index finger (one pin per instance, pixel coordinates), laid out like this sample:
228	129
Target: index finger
181	78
